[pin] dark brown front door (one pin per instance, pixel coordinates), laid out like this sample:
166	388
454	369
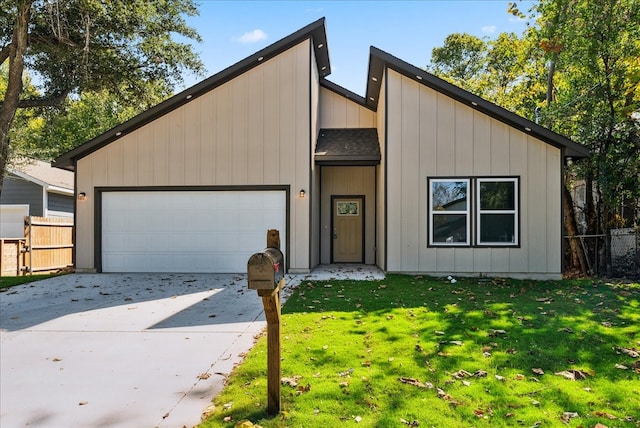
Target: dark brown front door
348	226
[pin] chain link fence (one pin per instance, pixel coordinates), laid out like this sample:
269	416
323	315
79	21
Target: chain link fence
625	253
624	248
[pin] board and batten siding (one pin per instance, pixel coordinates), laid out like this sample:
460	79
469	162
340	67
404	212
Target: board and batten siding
252	130
431	135
337	111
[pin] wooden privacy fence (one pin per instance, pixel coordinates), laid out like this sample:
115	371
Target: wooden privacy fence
47	247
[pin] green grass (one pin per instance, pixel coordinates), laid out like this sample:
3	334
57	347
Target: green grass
11	281
414	350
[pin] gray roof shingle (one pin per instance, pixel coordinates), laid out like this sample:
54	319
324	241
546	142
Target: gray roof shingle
348	146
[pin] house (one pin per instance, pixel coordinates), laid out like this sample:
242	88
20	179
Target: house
33	187
192	184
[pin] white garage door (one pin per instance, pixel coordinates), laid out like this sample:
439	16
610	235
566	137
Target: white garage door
188	231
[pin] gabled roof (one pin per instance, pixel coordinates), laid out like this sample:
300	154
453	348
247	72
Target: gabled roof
43	174
380	60
348	146
314	31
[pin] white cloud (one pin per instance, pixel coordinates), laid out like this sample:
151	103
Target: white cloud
252	36
489	29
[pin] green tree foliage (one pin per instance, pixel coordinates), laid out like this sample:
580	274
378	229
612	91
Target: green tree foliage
79	120
577	71
75	46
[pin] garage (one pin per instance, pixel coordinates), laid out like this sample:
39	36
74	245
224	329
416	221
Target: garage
187	230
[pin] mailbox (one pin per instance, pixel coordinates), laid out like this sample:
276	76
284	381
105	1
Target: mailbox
265	269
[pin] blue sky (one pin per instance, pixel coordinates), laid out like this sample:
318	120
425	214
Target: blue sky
409	30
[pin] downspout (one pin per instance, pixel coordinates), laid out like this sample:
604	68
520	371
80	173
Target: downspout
45	202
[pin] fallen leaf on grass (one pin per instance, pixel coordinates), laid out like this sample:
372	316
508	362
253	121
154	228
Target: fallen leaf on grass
567	416
291	381
538	371
456	342
494	333
412	424
480	373
345	373
630	352
500	378
605	415
442	394
301	389
599	425
572	374
461	374
621	367
415	382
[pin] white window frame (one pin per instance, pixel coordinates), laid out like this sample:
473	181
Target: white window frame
433	213
514	212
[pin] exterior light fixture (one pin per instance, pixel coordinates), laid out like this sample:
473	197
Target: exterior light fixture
82	196
302	193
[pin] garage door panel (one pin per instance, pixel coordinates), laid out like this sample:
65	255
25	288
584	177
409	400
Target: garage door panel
187	231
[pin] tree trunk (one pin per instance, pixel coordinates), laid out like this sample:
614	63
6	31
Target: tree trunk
8	109
578	258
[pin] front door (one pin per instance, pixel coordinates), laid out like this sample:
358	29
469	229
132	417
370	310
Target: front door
347	220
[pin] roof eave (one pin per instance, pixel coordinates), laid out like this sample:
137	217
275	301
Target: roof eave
347	160
314	31
333	87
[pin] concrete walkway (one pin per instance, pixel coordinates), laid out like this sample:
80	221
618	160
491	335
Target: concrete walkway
128	350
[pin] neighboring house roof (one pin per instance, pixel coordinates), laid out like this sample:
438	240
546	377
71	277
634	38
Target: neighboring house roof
42	173
314	31
378	61
352	146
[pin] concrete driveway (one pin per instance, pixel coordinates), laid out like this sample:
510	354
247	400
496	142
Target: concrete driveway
127	350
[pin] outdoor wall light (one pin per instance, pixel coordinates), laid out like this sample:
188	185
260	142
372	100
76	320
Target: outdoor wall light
82	196
302	193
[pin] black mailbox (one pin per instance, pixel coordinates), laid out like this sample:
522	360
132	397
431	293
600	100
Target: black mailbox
265	269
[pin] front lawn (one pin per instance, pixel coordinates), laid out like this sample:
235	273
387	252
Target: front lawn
419	351
10	281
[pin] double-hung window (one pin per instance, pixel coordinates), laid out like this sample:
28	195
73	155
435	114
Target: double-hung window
449	210
497	211
473	212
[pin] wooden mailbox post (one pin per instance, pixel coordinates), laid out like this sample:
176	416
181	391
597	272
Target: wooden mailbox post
265	273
